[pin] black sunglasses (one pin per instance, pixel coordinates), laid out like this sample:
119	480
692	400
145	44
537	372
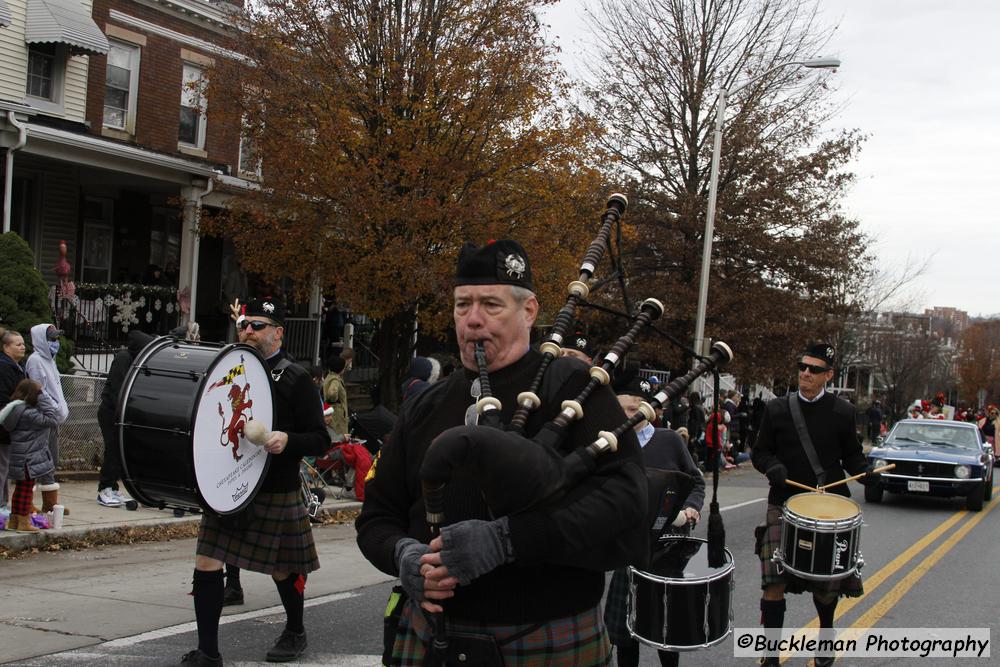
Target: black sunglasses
815	370
255	325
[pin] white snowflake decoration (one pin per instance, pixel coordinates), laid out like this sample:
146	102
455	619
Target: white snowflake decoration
170	307
126	308
157	304
149	316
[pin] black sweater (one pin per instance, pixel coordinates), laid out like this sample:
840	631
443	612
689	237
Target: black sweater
666	450
831	425
546	580
300	415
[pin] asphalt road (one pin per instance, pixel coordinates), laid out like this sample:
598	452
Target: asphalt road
929	564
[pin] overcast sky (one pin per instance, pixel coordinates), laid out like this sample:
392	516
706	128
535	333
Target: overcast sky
921	78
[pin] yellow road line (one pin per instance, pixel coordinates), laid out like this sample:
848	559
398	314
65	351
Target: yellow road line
889	600
894	566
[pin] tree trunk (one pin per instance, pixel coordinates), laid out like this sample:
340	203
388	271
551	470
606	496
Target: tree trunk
394	342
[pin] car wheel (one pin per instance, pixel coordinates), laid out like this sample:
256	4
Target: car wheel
974	501
988	489
873	493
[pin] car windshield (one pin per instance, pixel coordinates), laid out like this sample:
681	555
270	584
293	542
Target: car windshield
938	434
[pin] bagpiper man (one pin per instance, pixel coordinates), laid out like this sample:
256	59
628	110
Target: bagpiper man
516	580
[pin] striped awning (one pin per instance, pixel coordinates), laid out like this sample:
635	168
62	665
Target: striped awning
4	14
64	22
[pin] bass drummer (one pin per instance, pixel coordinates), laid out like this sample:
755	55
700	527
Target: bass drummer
781	454
273	535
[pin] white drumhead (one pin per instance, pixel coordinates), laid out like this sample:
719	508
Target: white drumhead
228	467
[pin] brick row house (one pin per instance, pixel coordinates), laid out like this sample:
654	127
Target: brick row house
109	144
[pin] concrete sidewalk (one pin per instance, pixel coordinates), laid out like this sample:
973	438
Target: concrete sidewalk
87	517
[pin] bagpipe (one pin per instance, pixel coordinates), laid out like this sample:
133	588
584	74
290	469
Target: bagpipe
517	473
534	470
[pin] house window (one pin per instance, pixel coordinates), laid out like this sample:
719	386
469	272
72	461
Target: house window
44	72
249	166
192	127
121	87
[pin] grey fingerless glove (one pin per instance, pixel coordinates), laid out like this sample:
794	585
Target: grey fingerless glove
407	553
472	548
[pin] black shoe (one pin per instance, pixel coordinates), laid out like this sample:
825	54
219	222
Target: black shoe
770	662
823	662
289	646
197	658
232	596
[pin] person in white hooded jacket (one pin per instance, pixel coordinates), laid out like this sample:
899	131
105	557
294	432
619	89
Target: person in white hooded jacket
41	367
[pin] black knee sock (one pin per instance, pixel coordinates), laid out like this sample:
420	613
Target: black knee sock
232	576
628	654
207	592
772	613
292	591
669	658
825	611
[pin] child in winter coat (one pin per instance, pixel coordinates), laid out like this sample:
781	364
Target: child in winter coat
28	418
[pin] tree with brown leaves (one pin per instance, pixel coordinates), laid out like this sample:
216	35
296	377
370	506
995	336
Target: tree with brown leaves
783	249
979	362
392	132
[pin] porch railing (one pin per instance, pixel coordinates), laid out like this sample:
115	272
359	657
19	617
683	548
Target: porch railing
98	317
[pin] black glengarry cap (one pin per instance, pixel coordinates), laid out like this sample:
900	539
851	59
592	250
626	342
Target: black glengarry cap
502	262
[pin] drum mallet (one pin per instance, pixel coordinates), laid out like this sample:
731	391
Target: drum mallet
256	432
858	476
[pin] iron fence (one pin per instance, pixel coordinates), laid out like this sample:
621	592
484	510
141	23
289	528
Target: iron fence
102	314
301	339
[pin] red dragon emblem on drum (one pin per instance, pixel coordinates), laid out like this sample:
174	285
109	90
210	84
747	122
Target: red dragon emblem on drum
232	432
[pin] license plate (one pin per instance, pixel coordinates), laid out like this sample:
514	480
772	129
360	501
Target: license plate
918	486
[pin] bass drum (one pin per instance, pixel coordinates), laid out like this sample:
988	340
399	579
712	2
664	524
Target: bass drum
181	416
682	603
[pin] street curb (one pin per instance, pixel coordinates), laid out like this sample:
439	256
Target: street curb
78	475
21	541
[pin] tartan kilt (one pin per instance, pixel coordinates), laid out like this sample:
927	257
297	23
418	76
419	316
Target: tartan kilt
573	641
849	586
616	608
272	535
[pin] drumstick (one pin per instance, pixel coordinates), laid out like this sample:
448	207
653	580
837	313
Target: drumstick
858	476
792	482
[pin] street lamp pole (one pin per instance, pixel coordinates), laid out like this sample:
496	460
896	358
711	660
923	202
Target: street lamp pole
713	187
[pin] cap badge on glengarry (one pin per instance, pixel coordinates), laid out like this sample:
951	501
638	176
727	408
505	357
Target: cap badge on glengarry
268	307
515	265
645	386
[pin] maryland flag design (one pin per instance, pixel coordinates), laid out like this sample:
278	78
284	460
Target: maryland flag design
371	471
230	377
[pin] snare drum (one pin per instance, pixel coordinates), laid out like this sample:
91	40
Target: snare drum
682	603
180	417
820	537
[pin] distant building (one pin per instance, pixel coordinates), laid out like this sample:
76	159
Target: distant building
948	322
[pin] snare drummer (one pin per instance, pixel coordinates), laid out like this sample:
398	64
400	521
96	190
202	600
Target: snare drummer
662	448
779	454
273	535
